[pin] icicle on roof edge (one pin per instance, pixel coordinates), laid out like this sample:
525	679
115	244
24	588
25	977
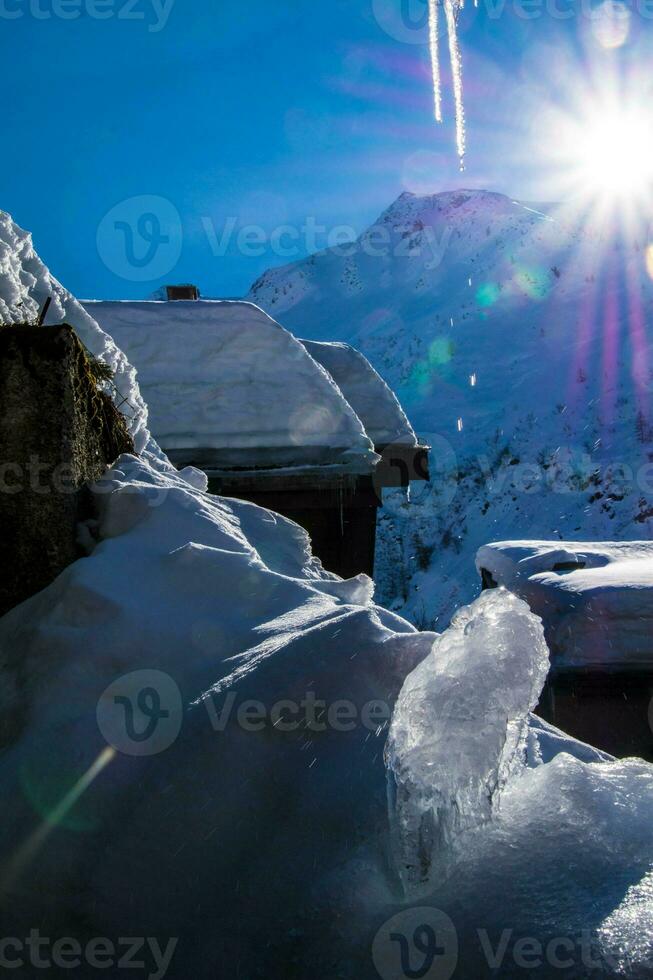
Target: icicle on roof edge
451	10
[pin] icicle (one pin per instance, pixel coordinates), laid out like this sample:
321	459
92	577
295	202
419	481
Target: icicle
435	57
450	9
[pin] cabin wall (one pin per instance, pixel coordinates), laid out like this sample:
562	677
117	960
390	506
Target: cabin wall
340	520
57	432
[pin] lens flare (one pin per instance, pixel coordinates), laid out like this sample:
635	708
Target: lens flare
649	260
611	24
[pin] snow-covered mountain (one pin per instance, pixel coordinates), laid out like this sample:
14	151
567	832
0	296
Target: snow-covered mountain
516	337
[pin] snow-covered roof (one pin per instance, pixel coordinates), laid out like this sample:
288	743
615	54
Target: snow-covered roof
373	401
225	377
596	598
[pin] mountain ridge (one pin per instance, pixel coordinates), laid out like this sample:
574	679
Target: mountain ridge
517	342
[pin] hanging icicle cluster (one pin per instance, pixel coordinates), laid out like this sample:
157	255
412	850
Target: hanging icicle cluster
451	11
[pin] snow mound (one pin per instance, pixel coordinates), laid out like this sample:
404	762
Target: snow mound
240	817
25	284
596	598
223	600
460	726
375	404
224	376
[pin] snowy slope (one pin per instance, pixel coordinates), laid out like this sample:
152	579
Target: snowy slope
516	338
25	284
596	599
225	376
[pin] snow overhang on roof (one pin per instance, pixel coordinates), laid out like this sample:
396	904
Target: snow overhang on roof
227	382
373	401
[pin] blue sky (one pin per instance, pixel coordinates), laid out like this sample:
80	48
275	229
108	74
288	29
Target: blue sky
207	118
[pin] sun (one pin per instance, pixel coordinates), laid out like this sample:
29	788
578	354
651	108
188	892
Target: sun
608	152
615	154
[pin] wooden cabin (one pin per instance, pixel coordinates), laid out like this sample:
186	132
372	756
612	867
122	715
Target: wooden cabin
306	429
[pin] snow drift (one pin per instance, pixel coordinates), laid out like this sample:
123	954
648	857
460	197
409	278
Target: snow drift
242	821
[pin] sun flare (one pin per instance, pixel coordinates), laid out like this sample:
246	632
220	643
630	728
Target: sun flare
609	153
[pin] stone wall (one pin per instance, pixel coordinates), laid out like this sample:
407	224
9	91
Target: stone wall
57	433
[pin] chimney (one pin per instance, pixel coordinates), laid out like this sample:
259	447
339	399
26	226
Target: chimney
182	292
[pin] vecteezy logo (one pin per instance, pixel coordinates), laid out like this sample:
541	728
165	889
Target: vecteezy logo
141	713
140	239
431	475
404	20
416	944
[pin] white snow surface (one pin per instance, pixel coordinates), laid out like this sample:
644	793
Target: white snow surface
230	820
517	339
225	598
596	598
225	376
25	284
373	401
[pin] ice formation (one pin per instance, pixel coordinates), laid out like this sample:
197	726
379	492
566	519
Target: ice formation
451	11
510	828
434	41
459	728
